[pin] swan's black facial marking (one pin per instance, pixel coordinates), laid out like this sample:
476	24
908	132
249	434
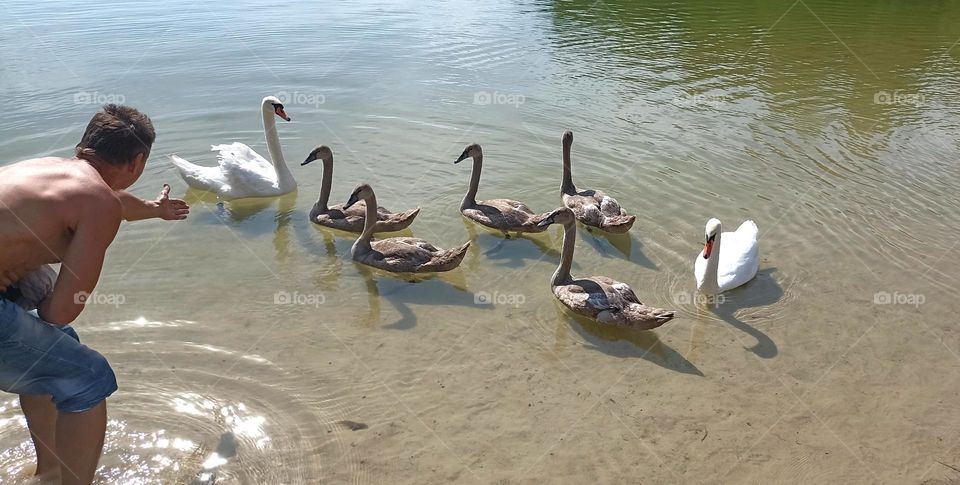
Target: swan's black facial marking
311	157
278	109
551	219
321	152
472	150
354	198
463	156
708	246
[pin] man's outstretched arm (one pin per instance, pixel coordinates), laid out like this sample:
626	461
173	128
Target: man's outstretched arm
137	209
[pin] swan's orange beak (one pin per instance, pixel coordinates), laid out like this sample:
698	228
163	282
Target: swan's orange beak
707	248
281	113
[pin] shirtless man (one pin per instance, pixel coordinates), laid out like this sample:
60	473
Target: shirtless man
57	210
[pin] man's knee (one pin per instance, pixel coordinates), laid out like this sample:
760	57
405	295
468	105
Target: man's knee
88	389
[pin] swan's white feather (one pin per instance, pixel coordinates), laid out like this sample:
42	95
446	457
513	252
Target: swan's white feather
246	172
240	172
739	254
201	178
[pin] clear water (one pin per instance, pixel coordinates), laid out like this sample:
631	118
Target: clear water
833	125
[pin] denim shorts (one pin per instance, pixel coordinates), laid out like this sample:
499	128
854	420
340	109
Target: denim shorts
39	358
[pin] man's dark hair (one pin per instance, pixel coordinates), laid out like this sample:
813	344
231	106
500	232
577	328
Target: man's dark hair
116	135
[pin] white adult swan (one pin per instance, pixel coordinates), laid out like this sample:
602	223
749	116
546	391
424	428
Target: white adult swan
722	268
242	172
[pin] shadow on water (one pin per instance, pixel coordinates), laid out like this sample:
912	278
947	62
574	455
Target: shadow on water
628	343
226	449
514	252
405	289
763	290
285	215
327	246
244	216
335	241
331	251
606	244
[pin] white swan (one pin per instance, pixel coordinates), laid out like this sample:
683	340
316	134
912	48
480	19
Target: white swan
721	268
242	172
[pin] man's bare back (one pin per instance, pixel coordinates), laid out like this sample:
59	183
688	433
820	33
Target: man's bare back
57	210
41	202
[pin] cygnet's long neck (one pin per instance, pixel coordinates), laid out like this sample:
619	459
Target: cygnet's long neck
562	274
470	200
370	221
567	184
326	183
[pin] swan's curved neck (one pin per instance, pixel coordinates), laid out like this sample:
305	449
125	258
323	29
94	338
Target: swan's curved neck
562	275
710	285
567	184
273	145
368	224
470	200
325	184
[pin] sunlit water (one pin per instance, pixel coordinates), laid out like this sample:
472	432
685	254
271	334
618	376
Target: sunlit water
834	125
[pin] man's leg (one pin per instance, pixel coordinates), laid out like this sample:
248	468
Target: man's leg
80	452
42	359
42	420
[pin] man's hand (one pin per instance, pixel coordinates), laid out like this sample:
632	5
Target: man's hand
171	209
137	209
35	286
7	278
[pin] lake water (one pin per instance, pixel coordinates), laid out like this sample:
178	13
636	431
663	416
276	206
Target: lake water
833	125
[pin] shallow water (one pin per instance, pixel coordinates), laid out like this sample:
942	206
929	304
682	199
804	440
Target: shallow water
832	125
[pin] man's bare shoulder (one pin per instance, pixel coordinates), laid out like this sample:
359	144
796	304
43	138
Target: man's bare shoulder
35	163
64	179
56	192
